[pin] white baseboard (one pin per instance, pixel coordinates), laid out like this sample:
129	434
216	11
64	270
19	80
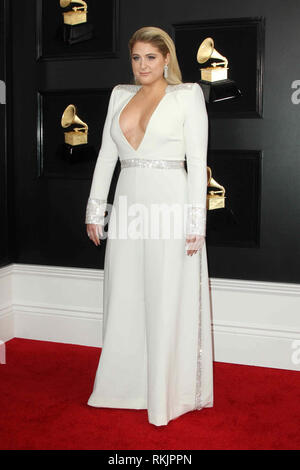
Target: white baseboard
53	303
254	323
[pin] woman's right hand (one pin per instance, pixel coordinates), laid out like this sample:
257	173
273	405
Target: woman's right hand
94	232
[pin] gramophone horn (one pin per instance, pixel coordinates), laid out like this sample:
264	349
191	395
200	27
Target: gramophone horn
65	3
207	51
69	117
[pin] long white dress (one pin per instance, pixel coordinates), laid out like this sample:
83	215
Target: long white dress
157	345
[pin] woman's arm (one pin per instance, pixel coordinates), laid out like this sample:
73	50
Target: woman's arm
103	171
196	140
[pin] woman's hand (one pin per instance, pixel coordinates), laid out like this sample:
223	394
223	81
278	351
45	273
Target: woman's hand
195	243
94	232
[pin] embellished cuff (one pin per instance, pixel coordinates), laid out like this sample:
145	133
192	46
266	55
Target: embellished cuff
95	211
196	220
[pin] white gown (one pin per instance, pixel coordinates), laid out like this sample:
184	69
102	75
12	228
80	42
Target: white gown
157	344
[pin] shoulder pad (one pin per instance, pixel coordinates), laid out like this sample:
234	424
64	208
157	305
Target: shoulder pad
128	87
181	86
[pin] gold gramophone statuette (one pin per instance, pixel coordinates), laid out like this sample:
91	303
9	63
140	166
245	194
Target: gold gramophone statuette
77	14
214	199
217	71
78	135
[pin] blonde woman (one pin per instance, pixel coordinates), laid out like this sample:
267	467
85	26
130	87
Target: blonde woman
157	345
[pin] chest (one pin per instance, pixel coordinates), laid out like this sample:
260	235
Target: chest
137	113
156	124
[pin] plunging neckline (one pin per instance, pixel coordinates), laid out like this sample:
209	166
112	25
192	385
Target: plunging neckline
149	121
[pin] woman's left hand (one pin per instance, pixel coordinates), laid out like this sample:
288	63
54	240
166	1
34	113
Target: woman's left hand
195	243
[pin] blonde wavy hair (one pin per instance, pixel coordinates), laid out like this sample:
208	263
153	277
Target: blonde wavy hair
164	43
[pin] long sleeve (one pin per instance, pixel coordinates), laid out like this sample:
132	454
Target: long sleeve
196	139
103	171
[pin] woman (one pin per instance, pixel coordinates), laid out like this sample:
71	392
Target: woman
157	348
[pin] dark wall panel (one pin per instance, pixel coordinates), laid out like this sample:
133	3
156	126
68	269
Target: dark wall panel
49	212
6	195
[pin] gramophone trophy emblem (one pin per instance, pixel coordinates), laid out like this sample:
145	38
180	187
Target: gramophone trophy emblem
76	148
215	198
75	28
218	70
78	135
214	78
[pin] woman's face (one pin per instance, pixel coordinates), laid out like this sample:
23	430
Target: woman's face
147	62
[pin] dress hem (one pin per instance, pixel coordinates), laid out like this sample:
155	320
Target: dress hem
117	404
181	412
158	421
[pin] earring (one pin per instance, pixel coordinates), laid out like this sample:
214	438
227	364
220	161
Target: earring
166	70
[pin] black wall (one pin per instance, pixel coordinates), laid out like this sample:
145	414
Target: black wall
6	196
49	212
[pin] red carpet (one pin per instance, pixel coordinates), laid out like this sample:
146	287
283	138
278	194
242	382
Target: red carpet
44	388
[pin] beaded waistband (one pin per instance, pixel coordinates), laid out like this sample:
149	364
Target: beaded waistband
143	163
